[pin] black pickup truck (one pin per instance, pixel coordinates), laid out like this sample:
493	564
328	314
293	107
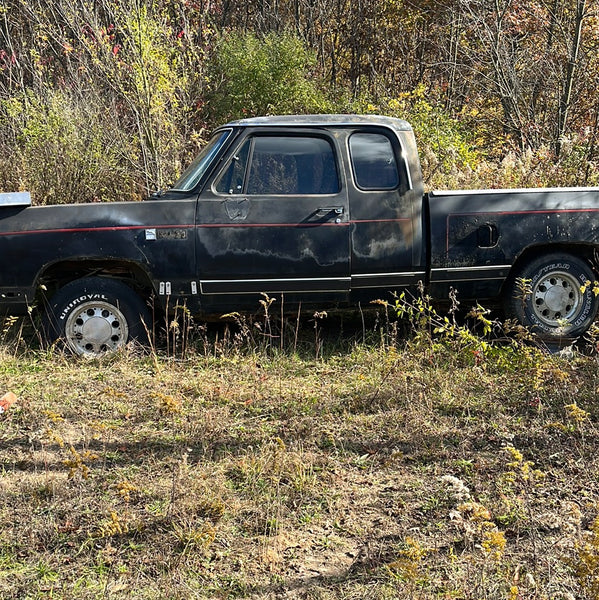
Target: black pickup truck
320	210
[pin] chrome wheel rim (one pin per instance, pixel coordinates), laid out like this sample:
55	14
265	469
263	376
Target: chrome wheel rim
556	298
95	328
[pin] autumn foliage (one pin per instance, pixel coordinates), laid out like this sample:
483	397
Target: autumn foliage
109	100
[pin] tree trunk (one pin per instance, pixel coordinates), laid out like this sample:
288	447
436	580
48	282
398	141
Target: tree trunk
571	72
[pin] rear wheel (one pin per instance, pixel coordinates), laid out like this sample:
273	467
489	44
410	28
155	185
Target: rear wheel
553	299
95	316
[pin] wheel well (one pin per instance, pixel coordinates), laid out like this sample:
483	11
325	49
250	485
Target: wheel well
57	275
583	251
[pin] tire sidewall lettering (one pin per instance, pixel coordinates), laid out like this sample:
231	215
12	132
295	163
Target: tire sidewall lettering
551	267
94	296
587	298
68	308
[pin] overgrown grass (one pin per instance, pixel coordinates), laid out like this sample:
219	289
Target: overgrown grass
435	466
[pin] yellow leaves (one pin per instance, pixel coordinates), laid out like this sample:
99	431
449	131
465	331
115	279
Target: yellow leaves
126	489
9	321
523	472
194	536
480	314
475	512
77	463
53	416
593	285
586	564
478	522
110	392
212	509
576	419
493	542
516	455
576	414
548	374
114	525
148	60
54	437
167	404
408	563
514	593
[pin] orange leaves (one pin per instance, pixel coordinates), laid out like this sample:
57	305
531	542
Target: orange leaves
7	401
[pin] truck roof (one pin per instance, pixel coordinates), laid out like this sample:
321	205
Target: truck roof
321	120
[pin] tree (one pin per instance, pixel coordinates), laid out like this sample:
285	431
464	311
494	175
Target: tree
252	75
571	71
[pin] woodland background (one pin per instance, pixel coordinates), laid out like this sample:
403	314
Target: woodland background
106	100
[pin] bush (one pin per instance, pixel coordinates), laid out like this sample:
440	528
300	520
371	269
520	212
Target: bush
56	147
251	75
106	103
446	147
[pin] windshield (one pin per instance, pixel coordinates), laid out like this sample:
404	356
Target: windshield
192	175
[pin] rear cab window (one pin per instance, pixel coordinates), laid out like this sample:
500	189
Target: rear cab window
373	161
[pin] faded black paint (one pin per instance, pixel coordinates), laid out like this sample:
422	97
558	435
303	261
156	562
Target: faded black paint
521	220
219	251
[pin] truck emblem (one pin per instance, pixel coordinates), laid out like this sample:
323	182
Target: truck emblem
237	210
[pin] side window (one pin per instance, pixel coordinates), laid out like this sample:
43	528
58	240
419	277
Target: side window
231	181
373	161
281	165
274	168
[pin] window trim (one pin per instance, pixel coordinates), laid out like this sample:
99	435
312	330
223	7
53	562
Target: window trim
227	165
211	158
252	136
397	159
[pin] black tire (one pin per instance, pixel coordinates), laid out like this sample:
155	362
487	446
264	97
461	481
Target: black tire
555	305
94	316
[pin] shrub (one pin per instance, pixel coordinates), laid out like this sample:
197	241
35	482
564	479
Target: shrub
446	147
251	75
55	147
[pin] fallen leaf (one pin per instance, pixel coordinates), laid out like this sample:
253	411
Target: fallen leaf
7	401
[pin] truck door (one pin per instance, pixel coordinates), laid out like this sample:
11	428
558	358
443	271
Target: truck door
275	219
385	204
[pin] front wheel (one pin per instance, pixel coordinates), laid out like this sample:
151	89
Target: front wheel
95	316
551	296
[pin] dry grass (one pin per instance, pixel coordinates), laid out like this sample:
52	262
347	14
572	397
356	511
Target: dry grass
428	470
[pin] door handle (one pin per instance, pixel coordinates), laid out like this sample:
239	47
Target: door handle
488	236
338	210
